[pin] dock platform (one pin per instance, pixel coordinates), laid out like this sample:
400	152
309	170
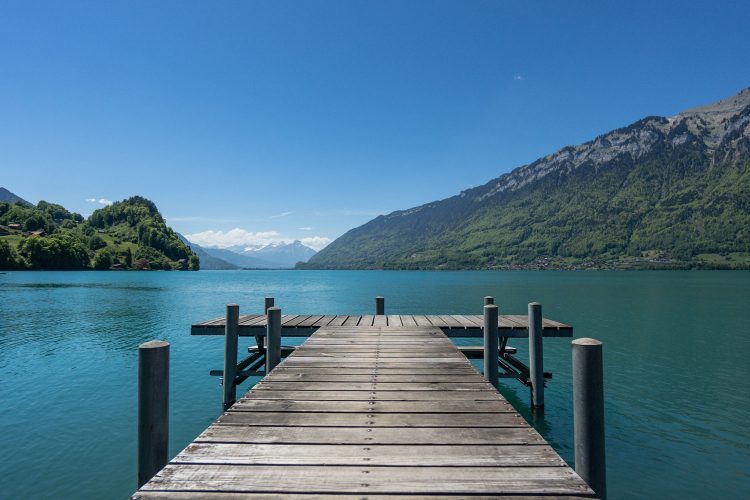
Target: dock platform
369	410
453	325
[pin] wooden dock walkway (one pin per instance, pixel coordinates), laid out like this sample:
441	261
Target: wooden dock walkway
369	411
453	325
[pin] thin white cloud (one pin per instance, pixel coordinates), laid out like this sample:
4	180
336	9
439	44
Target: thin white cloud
306	228
242	237
101	201
316	242
519	78
282	214
233	237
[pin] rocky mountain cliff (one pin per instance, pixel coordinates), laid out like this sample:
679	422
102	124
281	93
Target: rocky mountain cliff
660	192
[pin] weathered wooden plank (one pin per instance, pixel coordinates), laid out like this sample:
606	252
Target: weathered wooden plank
310	321
384	356
320	419
374	395
248	319
374	384
294	322
365	479
371	435
304	376
286	318
324	321
215	495
407	320
451	321
352	320
456	371
488	406
421	320
437	321
366	321
338	320
380	320
388	455
215	321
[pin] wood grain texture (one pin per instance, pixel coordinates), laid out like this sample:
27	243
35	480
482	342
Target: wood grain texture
362	409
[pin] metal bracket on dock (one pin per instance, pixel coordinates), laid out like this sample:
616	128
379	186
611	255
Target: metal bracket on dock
253	365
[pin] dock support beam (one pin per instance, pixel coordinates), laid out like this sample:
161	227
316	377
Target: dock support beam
536	355
489	300
491	345
588	413
153	408
231	331
379	306
273	338
269	304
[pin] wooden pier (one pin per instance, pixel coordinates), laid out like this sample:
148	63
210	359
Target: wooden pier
453	325
370	407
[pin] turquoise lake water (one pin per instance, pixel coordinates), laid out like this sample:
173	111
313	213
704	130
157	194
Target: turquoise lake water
676	344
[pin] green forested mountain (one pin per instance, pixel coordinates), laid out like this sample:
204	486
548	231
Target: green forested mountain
130	234
662	192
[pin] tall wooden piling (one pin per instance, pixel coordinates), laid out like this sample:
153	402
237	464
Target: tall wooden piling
273	338
491	344
536	355
588	413
489	300
153	408
269	303
379	306
231	331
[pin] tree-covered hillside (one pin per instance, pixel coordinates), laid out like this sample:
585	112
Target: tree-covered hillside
662	192
130	234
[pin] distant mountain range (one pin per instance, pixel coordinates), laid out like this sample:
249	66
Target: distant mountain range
663	192
11	198
272	256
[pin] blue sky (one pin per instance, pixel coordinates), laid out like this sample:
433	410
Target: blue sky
261	121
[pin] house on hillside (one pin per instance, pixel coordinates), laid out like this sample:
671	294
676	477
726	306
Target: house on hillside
14	225
38	232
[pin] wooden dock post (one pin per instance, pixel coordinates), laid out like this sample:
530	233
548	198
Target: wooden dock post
491	345
231	331
489	300
588	413
269	303
536	355
273	338
153	408
379	306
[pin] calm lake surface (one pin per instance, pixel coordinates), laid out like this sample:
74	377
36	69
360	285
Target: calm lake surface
676	347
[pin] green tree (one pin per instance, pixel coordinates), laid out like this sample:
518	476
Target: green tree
194	263
128	258
96	242
8	256
103	259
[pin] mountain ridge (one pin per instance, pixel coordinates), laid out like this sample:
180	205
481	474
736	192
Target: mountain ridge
278	255
632	175
9	197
